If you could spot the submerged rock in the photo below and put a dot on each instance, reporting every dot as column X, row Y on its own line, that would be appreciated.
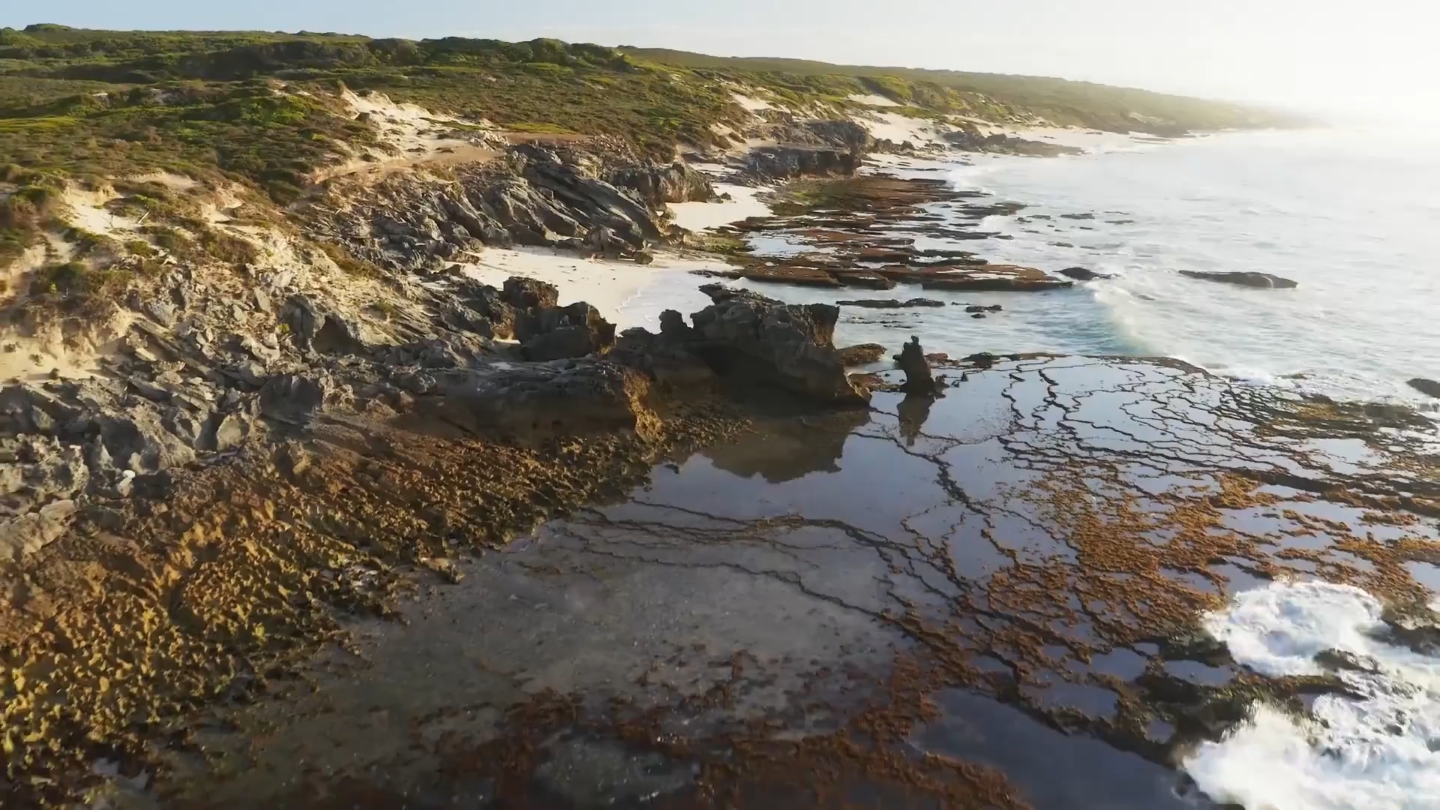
column 1427, row 387
column 891, row 303
column 1245, row 279
column 1084, row 274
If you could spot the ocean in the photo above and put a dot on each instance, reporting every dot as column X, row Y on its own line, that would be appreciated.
column 1349, row 215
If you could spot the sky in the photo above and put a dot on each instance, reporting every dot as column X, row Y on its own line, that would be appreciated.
column 1373, row 58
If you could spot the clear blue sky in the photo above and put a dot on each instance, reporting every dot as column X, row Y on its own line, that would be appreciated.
column 1319, row 54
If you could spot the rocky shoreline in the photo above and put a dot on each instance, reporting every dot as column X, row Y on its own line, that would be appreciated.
column 277, row 446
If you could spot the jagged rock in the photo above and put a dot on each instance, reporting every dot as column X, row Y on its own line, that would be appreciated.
column 1084, row 274
column 862, row 355
column 567, row 397
column 891, row 303
column 527, row 293
column 592, row 203
column 603, row 243
column 918, row 377
column 230, row 432
column 982, row 360
column 673, row 325
column 289, row 398
column 754, row 340
column 28, row 533
column 843, row 133
column 655, row 185
column 1000, row 143
column 160, row 311
column 563, row 332
column 799, row 161
column 1245, row 279
column 1427, row 387
column 305, row 321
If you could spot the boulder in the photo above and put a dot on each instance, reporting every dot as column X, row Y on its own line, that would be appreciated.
column 24, row 535
column 757, row 341
column 919, row 380
column 1429, row 388
column 1083, row 274
column 655, row 184
column 862, row 355
column 891, row 303
column 1244, row 279
column 291, row 398
column 801, row 160
column 561, row 398
column 563, row 332
column 527, row 293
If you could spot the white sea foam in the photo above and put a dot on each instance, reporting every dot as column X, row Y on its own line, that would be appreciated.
column 1378, row 752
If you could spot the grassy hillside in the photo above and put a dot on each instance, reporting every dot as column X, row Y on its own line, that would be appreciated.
column 263, row 109
column 1060, row 101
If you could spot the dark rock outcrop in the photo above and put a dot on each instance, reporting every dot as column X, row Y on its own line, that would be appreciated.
column 862, row 355
column 757, row 341
column 655, row 184
column 919, row 380
column 1429, row 388
column 1083, row 274
column 1000, row 143
column 891, row 303
column 567, row 397
column 1245, row 279
column 558, row 333
column 802, row 161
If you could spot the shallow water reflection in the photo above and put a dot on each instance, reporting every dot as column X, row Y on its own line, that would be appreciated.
column 1008, row 577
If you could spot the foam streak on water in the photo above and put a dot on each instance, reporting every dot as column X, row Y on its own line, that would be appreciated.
column 1348, row 215
column 1378, row 752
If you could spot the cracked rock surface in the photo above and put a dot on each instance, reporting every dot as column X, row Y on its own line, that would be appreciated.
column 984, row 600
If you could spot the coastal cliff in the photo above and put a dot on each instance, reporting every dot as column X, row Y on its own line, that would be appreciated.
column 260, row 377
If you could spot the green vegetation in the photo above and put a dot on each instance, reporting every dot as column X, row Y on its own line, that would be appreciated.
column 985, row 95
column 265, row 110
column 262, row 108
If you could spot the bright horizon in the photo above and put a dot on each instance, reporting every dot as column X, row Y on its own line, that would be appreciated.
column 1314, row 57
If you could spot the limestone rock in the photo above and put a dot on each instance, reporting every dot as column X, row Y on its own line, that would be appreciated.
column 862, row 355
column 800, row 161
column 1084, row 274
column 567, row 397
column 755, row 340
column 1245, row 279
column 287, row 398
column 655, row 184
column 891, row 303
column 918, row 377
column 1429, row 388
column 28, row 533
column 563, row 332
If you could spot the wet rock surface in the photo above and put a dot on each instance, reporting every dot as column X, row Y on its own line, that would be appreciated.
column 1084, row 274
column 1259, row 280
column 863, row 231
column 982, row 600
column 862, row 355
column 1429, row 388
column 892, row 303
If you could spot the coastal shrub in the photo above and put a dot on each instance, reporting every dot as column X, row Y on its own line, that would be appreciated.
column 262, row 109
